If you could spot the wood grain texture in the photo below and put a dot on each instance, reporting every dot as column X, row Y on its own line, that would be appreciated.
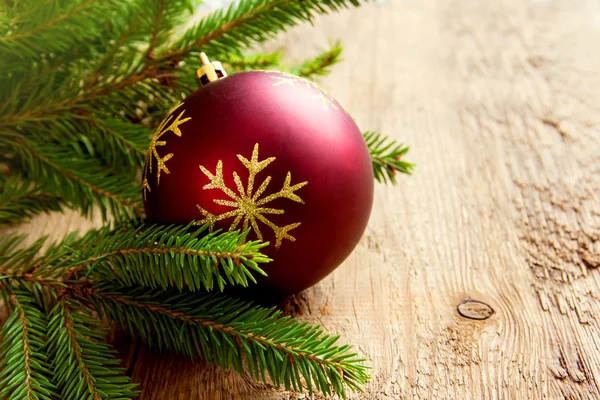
column 500, row 101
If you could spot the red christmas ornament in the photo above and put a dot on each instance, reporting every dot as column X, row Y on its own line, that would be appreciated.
column 268, row 151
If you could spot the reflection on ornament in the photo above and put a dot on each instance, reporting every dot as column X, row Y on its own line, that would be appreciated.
column 288, row 79
column 248, row 206
column 168, row 125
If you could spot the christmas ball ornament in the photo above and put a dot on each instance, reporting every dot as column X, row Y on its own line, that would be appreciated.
column 270, row 152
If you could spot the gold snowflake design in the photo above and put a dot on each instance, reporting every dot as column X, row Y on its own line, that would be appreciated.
column 167, row 125
column 291, row 80
column 247, row 204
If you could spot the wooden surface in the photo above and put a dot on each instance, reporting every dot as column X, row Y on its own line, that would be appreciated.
column 500, row 101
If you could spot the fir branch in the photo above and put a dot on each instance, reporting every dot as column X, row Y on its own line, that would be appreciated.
column 19, row 202
column 81, row 182
column 29, row 264
column 84, row 365
column 154, row 256
column 114, row 95
column 321, row 64
column 165, row 14
column 226, row 331
column 24, row 367
column 224, row 31
column 21, row 268
column 184, row 257
column 15, row 256
column 386, row 156
column 20, row 278
column 249, row 62
column 55, row 24
column 127, row 32
column 120, row 144
column 249, row 22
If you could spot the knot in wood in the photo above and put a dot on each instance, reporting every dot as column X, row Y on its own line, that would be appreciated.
column 475, row 309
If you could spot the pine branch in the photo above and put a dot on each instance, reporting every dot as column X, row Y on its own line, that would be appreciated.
column 24, row 367
column 321, row 64
column 386, row 156
column 182, row 257
column 16, row 257
column 19, row 262
column 165, row 14
column 153, row 256
column 249, row 22
column 224, row 331
column 23, row 269
column 28, row 101
column 227, row 331
column 84, row 365
column 20, row 202
column 81, row 182
column 55, row 22
column 226, row 31
column 120, row 144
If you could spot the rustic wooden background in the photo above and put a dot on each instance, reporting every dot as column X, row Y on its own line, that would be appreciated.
column 500, row 101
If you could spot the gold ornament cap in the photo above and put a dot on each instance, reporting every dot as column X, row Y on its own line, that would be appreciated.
column 209, row 71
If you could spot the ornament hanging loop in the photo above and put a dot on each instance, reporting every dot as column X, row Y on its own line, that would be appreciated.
column 209, row 71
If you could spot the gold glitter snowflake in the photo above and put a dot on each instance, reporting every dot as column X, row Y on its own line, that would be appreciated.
column 288, row 79
column 247, row 204
column 168, row 125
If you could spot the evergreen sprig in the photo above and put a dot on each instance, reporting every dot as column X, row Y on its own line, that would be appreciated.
column 83, row 182
column 19, row 202
column 386, row 156
column 321, row 64
column 56, row 22
column 228, row 331
column 223, row 330
column 181, row 257
column 245, row 23
column 85, row 366
column 24, row 365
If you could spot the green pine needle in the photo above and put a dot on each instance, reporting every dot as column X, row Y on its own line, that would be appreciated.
column 249, row 22
column 229, row 332
column 19, row 202
column 25, row 366
column 55, row 21
column 183, row 257
column 82, row 182
column 321, row 64
column 386, row 156
column 85, row 367
column 110, row 268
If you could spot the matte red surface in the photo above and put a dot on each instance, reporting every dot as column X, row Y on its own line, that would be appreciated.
column 323, row 147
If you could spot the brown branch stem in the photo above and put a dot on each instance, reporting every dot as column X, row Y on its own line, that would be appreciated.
column 30, row 278
column 162, row 250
